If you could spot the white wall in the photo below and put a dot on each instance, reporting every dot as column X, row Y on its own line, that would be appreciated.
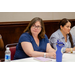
column 60, row 15
column 27, row 16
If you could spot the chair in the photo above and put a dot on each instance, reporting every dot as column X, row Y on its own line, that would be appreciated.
column 12, row 48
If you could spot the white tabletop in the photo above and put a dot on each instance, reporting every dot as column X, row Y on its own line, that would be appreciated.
column 67, row 57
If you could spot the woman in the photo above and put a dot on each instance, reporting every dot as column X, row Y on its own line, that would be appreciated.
column 1, row 43
column 34, row 42
column 63, row 34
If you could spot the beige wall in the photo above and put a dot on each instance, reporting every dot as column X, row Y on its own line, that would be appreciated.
column 27, row 16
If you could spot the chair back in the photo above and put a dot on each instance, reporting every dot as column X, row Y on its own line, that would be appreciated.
column 12, row 48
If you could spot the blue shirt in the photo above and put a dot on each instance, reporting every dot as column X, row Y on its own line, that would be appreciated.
column 58, row 36
column 26, row 37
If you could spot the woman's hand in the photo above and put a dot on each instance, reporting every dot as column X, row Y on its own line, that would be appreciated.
column 70, row 49
column 51, row 54
column 73, row 48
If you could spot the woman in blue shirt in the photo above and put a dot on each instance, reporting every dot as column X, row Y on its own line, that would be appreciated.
column 63, row 34
column 34, row 42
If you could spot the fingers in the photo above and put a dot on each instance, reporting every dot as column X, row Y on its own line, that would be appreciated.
column 53, row 56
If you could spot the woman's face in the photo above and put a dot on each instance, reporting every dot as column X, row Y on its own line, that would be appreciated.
column 66, row 28
column 36, row 28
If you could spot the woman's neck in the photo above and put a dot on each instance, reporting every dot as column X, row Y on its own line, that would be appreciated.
column 34, row 36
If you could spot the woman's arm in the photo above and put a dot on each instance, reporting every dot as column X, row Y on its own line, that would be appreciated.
column 70, row 49
column 1, row 43
column 28, row 49
column 49, row 48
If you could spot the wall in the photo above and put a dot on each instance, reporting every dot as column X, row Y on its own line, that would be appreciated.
column 27, row 16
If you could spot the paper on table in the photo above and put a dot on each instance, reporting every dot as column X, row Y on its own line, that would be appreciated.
column 42, row 59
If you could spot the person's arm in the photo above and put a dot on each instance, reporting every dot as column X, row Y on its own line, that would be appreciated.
column 28, row 49
column 53, row 41
column 69, row 49
column 49, row 49
column 1, row 43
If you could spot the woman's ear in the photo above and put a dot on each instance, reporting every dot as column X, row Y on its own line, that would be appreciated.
column 60, row 26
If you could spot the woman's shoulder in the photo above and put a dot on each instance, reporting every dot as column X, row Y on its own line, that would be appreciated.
column 25, row 34
column 25, row 37
column 45, row 35
column 56, row 33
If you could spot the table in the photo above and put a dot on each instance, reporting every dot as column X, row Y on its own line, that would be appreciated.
column 67, row 57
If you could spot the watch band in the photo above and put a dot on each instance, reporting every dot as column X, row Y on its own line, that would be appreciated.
column 44, row 55
column 71, row 50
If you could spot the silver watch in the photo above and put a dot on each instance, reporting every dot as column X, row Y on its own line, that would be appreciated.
column 44, row 55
